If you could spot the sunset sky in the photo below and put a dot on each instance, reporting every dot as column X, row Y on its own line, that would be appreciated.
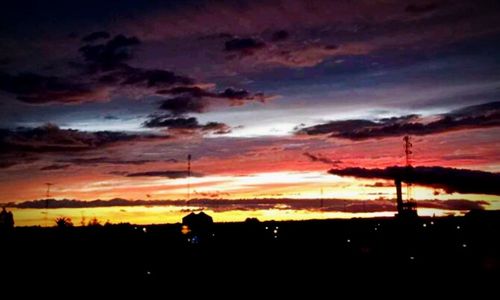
column 273, row 99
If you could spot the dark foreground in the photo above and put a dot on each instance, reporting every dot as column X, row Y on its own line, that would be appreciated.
column 262, row 253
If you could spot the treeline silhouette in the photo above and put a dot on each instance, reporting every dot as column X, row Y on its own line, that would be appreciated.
column 344, row 250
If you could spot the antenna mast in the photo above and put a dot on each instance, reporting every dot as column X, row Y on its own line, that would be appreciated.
column 47, row 196
column 406, row 209
column 408, row 152
column 188, row 177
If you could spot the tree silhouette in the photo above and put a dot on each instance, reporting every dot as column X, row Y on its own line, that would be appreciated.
column 64, row 222
column 94, row 222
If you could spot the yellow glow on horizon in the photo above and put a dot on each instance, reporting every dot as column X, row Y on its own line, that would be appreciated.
column 144, row 215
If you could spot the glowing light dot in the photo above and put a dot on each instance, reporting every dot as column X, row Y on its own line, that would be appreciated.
column 424, row 225
column 458, row 227
column 348, row 240
column 267, row 228
column 275, row 231
column 464, row 245
column 432, row 222
column 144, row 229
column 412, row 257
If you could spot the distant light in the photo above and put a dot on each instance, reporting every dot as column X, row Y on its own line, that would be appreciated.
column 189, row 240
column 275, row 231
column 464, row 245
column 378, row 224
column 458, row 227
column 276, row 227
column 275, row 236
column 185, row 229
column 267, row 228
column 135, row 227
column 412, row 257
column 376, row 228
column 148, row 272
column 144, row 229
column 213, row 234
column 348, row 240
column 432, row 222
column 424, row 225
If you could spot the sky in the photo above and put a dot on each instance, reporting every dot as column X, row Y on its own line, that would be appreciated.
column 272, row 99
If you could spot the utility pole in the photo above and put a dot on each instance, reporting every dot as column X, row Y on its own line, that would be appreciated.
column 188, row 177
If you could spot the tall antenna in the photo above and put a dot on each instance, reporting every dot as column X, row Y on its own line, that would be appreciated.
column 47, row 196
column 407, row 147
column 188, row 177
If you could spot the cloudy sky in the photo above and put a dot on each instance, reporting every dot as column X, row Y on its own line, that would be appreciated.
column 273, row 99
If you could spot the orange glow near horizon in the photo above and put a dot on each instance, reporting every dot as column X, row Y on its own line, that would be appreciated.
column 294, row 185
column 275, row 185
column 142, row 215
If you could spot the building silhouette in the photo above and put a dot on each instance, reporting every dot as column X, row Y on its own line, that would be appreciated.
column 197, row 227
column 6, row 219
column 198, row 222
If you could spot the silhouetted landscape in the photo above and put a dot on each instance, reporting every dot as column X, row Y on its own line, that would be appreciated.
column 342, row 250
column 283, row 144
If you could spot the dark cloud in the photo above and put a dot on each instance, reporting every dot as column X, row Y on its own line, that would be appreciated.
column 280, row 35
column 215, row 194
column 418, row 9
column 216, row 128
column 380, row 184
column 50, row 138
column 54, row 167
column 39, row 89
column 453, row 204
column 188, row 99
column 168, row 174
column 193, row 91
column 187, row 125
column 319, row 158
column 9, row 159
column 110, row 54
column 216, row 36
column 471, row 117
column 230, row 93
column 217, row 204
column 111, row 117
column 151, row 78
column 244, row 46
column 182, row 105
column 172, row 122
column 106, row 72
column 96, row 36
column 105, row 160
column 5, row 61
column 108, row 62
column 449, row 179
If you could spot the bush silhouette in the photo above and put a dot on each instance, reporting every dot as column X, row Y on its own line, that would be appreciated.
column 64, row 222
